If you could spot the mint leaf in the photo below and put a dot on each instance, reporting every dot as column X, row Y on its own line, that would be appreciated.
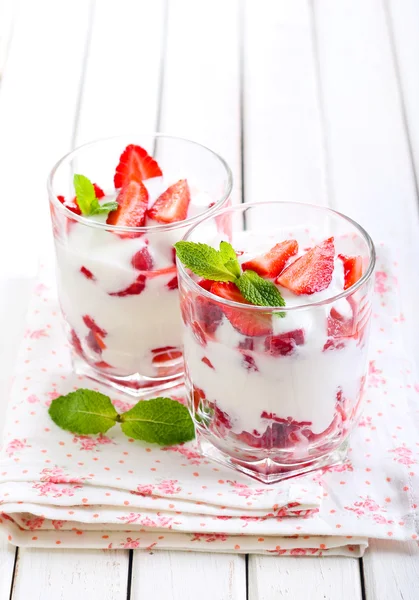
column 85, row 193
column 83, row 411
column 203, row 260
column 86, row 198
column 160, row 420
column 259, row 291
column 101, row 209
column 229, row 258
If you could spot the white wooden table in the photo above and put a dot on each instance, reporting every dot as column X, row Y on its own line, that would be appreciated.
column 309, row 100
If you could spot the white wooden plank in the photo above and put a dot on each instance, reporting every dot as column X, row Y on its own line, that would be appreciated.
column 188, row 575
column 284, row 157
column 201, row 89
column 7, row 561
column 37, row 102
column 371, row 172
column 7, row 8
column 403, row 19
column 69, row 574
column 317, row 578
column 391, row 570
column 121, row 91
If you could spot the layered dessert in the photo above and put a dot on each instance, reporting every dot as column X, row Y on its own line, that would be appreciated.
column 286, row 381
column 118, row 284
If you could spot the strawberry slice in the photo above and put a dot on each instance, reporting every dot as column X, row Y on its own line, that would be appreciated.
column 73, row 206
column 98, row 191
column 131, row 212
column 91, row 324
column 165, row 354
column 132, row 290
column 173, row 204
column 135, row 164
column 88, row 274
column 312, row 272
column 249, row 323
column 352, row 268
column 209, row 313
column 284, row 343
column 272, row 263
column 142, row 260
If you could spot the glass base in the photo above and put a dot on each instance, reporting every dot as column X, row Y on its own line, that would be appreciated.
column 269, row 470
column 135, row 385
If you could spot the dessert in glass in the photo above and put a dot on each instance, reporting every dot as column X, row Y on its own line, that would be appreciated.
column 118, row 205
column 275, row 391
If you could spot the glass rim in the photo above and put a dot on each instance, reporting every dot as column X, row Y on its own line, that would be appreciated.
column 252, row 307
column 123, row 228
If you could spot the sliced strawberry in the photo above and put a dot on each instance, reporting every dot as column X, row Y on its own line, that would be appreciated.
column 91, row 324
column 75, row 341
column 135, row 164
column 249, row 323
column 165, row 354
column 352, row 268
column 99, row 193
column 207, row 361
column 142, row 260
column 73, row 206
column 272, row 263
column 208, row 313
column 88, row 274
column 133, row 202
column 101, row 364
column 312, row 272
column 173, row 204
column 249, row 363
column 198, row 396
column 134, row 289
column 284, row 343
column 206, row 284
column 173, row 283
column 95, row 341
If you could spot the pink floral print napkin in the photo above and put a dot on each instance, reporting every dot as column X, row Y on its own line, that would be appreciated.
column 106, row 491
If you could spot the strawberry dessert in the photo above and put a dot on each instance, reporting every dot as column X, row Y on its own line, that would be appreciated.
column 275, row 346
column 116, row 271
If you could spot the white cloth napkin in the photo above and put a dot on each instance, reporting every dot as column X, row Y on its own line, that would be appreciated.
column 107, row 491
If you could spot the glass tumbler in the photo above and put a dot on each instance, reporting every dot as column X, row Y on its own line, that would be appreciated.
column 121, row 307
column 280, row 399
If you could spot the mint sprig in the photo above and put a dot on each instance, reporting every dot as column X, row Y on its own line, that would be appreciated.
column 160, row 420
column 86, row 198
column 222, row 265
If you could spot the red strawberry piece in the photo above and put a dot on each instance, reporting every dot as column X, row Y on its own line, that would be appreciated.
column 208, row 313
column 162, row 355
column 101, row 364
column 206, row 284
column 142, row 260
column 339, row 325
column 91, row 324
column 221, row 419
column 88, row 274
column 312, row 272
column 173, row 283
column 173, row 204
column 135, row 164
column 284, row 343
column 207, row 362
column 246, row 344
column 99, row 193
column 352, row 268
column 248, row 322
column 174, row 255
column 61, row 199
column 133, row 202
column 198, row 395
column 199, row 333
column 134, row 289
column 158, row 272
column 95, row 341
column 273, row 262
column 73, row 206
column 249, row 363
column 75, row 342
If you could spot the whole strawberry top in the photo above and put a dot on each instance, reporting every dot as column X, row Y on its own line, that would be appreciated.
column 141, row 197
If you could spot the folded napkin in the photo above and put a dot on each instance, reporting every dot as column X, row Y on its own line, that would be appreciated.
column 108, row 491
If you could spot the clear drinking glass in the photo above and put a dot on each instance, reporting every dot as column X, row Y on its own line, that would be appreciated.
column 285, row 402
column 123, row 322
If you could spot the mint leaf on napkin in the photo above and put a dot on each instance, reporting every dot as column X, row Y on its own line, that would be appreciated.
column 160, row 421
column 84, row 412
column 222, row 265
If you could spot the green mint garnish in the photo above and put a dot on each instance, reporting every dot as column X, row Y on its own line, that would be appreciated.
column 86, row 198
column 160, row 420
column 222, row 265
